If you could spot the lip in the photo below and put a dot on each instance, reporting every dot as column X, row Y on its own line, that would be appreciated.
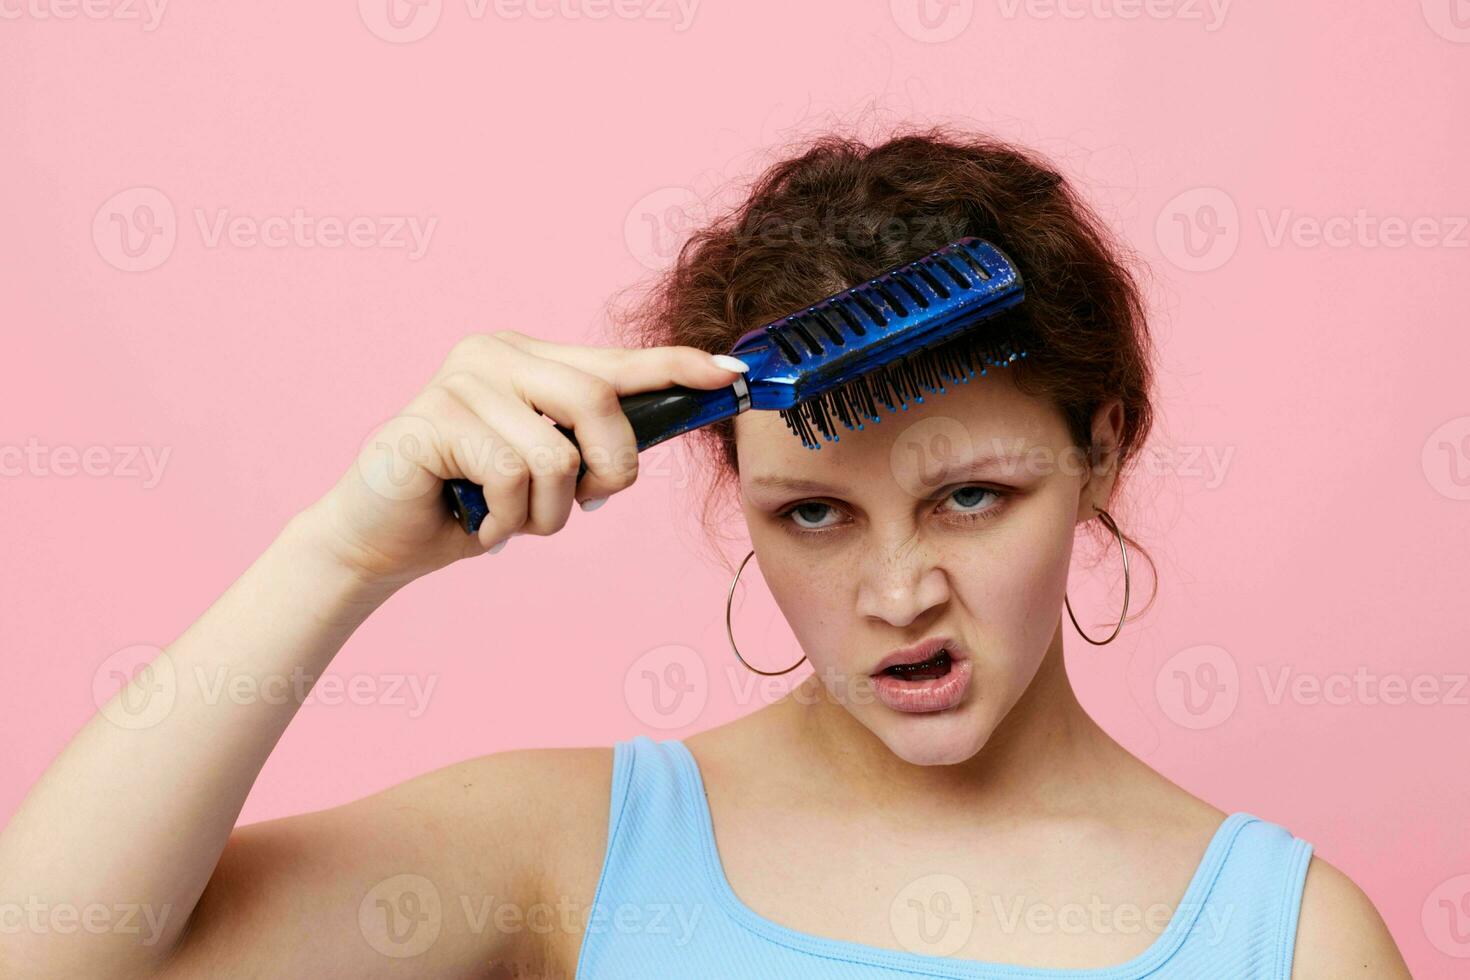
column 922, row 650
column 927, row 696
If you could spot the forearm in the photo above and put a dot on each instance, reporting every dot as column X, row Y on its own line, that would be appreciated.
column 136, row 811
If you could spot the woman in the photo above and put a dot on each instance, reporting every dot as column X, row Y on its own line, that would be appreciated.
column 960, row 818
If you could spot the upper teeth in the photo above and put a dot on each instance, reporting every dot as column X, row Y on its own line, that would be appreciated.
column 932, row 656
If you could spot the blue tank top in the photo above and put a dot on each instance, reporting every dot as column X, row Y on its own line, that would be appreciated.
column 663, row 907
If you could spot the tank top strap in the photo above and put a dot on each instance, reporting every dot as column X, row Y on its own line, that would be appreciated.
column 653, row 896
column 653, row 813
column 1244, row 924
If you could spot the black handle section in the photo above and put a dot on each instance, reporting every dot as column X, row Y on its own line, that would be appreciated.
column 655, row 416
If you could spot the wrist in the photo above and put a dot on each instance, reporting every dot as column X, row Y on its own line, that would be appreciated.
column 309, row 539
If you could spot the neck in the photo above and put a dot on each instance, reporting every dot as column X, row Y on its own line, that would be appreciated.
column 1045, row 748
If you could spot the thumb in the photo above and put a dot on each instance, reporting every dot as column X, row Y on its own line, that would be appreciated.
column 650, row 368
column 631, row 370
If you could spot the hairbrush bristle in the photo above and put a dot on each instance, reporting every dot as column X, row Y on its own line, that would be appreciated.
column 896, row 384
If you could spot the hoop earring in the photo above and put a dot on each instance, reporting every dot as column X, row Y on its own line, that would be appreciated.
column 1112, row 525
column 731, row 633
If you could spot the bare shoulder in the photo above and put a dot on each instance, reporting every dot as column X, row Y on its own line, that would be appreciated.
column 1340, row 933
column 548, row 807
column 557, row 801
column 554, row 786
column 566, row 795
column 534, row 801
column 491, row 841
column 563, row 797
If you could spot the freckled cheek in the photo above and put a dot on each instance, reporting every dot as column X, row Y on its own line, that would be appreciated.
column 1013, row 595
column 816, row 599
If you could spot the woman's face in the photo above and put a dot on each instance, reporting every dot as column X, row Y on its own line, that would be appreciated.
column 952, row 521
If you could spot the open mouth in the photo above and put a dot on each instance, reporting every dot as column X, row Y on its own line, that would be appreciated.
column 923, row 670
column 932, row 676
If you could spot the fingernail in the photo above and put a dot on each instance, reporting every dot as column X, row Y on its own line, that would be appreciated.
column 730, row 363
column 494, row 548
column 592, row 503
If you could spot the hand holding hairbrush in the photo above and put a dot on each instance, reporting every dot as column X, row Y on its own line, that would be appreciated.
column 882, row 342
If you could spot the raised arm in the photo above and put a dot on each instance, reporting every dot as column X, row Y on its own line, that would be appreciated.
column 138, row 811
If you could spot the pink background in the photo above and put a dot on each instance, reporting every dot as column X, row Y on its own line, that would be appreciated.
column 1308, row 503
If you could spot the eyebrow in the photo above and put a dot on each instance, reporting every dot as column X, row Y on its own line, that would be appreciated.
column 947, row 471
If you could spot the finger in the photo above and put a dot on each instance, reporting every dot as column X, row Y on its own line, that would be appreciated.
column 581, row 401
column 505, row 482
column 467, row 447
column 547, row 456
column 584, row 403
column 635, row 369
column 590, row 407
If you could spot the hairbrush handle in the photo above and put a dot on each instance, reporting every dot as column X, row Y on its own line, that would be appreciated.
column 655, row 416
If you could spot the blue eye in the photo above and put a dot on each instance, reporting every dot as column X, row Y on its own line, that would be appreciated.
column 802, row 506
column 981, row 492
column 975, row 504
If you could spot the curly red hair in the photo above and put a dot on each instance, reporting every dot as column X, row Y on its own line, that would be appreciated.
column 841, row 211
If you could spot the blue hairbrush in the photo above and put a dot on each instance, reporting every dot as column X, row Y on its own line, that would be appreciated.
column 883, row 342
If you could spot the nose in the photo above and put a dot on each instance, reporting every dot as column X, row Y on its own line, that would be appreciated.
column 899, row 580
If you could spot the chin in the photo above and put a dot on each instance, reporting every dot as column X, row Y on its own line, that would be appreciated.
column 941, row 738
